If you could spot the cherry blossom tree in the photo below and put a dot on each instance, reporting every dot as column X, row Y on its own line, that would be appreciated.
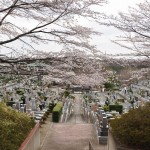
column 25, row 24
column 91, row 80
column 76, row 67
column 69, row 67
column 135, row 28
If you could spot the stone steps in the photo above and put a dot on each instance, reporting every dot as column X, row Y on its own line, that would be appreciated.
column 68, row 137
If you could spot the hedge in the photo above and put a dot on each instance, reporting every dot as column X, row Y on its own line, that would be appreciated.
column 133, row 128
column 56, row 113
column 118, row 108
column 10, row 103
column 14, row 127
column 60, row 104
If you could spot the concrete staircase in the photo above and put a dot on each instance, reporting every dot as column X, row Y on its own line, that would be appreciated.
column 68, row 137
column 75, row 134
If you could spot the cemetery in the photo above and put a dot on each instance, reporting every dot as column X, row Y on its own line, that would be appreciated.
column 37, row 102
column 99, row 107
column 69, row 81
column 102, row 107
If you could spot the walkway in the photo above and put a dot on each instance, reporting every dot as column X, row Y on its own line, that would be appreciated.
column 76, row 117
column 73, row 135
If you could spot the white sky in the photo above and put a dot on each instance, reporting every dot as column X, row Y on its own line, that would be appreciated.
column 109, row 33
column 103, row 42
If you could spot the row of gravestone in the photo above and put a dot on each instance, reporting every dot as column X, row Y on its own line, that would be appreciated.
column 100, row 119
column 34, row 113
column 101, row 125
column 135, row 98
column 32, row 106
column 93, row 112
column 31, row 102
column 66, row 111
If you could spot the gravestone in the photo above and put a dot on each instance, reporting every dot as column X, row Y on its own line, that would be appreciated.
column 103, row 115
column 33, row 107
column 103, row 131
column 18, row 105
column 28, row 111
column 28, row 104
column 101, row 111
column 104, row 122
column 14, row 106
column 22, row 109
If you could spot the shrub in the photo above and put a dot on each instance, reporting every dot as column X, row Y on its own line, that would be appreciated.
column 59, row 104
column 57, row 112
column 85, row 96
column 120, row 100
column 106, row 108
column 66, row 93
column 19, row 91
column 72, row 97
column 133, row 128
column 118, row 108
column 14, row 127
column 10, row 103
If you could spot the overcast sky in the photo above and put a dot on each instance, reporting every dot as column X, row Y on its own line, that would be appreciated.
column 103, row 42
column 113, row 7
